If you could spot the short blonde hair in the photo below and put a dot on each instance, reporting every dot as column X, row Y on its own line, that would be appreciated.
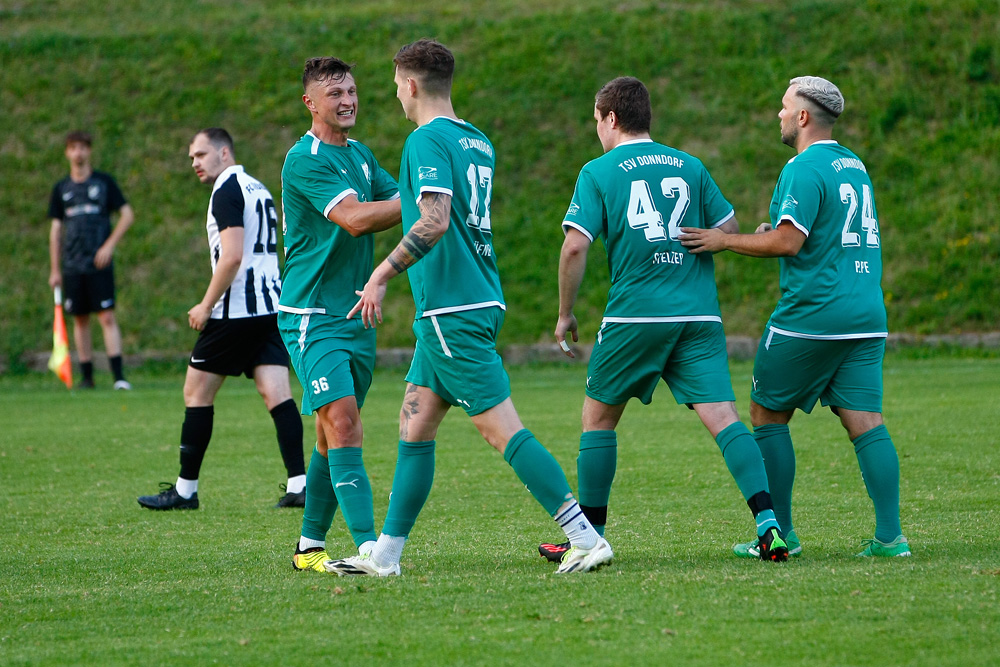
column 825, row 96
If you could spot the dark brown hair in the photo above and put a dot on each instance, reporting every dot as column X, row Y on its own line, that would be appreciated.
column 629, row 99
column 217, row 136
column 431, row 62
column 79, row 136
column 323, row 69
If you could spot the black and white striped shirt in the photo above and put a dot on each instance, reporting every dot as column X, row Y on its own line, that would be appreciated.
column 240, row 200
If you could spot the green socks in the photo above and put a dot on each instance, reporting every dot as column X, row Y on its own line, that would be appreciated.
column 321, row 501
column 411, row 484
column 595, row 469
column 775, row 443
column 880, row 471
column 538, row 471
column 354, row 492
column 743, row 459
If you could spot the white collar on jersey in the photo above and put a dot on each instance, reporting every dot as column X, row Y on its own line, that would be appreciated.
column 453, row 120
column 635, row 141
column 226, row 173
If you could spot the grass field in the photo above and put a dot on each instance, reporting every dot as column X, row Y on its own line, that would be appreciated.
column 91, row 578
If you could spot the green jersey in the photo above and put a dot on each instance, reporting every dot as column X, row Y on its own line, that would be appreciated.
column 832, row 288
column 324, row 264
column 460, row 272
column 636, row 197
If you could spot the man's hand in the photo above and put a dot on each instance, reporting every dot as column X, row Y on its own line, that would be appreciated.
column 198, row 316
column 103, row 257
column 55, row 278
column 703, row 240
column 370, row 303
column 566, row 324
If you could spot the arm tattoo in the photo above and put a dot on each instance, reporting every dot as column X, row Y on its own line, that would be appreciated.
column 435, row 209
column 415, row 245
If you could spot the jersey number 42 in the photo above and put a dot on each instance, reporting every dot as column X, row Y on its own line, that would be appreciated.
column 642, row 213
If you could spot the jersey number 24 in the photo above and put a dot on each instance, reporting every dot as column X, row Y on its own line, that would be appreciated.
column 869, row 224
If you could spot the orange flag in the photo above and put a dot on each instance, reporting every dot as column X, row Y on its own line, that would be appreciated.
column 59, row 362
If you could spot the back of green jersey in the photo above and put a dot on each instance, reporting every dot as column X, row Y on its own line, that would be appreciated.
column 832, row 287
column 452, row 157
column 324, row 264
column 637, row 197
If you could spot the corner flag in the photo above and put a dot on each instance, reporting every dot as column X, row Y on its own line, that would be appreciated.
column 59, row 362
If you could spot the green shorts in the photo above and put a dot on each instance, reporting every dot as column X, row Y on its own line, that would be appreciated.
column 333, row 357
column 630, row 358
column 456, row 358
column 791, row 372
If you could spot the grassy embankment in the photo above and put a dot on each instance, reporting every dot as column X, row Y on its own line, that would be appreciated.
column 922, row 82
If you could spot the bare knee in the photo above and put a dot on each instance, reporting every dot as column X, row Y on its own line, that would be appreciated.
column 272, row 385
column 200, row 388
column 858, row 423
column 598, row 416
column 717, row 416
column 107, row 318
column 759, row 415
column 341, row 423
column 421, row 414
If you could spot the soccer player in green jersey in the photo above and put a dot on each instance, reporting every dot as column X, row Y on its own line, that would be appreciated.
column 826, row 338
column 662, row 318
column 334, row 196
column 446, row 183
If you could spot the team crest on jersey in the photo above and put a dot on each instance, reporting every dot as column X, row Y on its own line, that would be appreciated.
column 789, row 203
column 427, row 173
column 574, row 208
column 94, row 191
column 368, row 174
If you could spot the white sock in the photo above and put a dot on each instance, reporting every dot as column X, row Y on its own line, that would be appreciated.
column 388, row 550
column 366, row 547
column 186, row 487
column 575, row 524
column 296, row 484
column 306, row 543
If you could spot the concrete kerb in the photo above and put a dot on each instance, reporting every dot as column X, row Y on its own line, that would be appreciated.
column 741, row 348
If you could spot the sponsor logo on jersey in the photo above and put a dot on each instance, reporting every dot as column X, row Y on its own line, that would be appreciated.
column 67, row 196
column 94, row 191
column 574, row 208
column 83, row 209
column 368, row 175
column 789, row 203
column 427, row 173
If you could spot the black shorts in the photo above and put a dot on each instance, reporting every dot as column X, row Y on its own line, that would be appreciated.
column 237, row 347
column 87, row 293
